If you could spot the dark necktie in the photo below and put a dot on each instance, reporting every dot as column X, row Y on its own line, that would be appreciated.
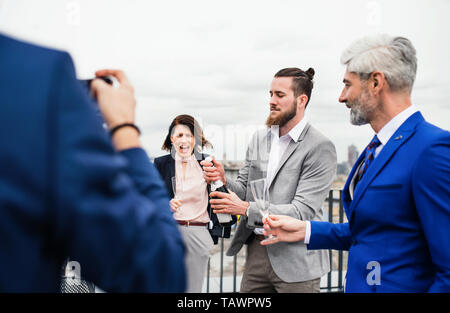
column 370, row 155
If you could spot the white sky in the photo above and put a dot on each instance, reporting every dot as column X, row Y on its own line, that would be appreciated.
column 215, row 59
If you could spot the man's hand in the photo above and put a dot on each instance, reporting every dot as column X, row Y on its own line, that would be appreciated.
column 117, row 105
column 228, row 203
column 212, row 173
column 285, row 228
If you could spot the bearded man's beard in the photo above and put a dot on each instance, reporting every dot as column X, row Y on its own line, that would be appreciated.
column 283, row 118
column 361, row 109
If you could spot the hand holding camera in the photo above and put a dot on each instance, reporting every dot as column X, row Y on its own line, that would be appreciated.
column 117, row 105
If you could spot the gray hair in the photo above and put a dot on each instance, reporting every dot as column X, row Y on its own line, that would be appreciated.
column 395, row 57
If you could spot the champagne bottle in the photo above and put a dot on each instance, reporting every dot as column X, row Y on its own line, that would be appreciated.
column 219, row 186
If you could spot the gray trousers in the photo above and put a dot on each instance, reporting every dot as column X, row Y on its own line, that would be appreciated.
column 260, row 277
column 199, row 244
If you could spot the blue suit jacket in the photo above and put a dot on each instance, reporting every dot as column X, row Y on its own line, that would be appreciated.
column 399, row 216
column 65, row 192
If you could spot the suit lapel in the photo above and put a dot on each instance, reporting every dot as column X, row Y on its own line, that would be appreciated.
column 171, row 170
column 261, row 150
column 353, row 181
column 401, row 136
column 264, row 147
column 289, row 150
column 172, row 167
column 346, row 195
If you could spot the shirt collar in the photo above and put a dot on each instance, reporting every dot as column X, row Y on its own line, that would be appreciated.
column 391, row 127
column 186, row 159
column 294, row 133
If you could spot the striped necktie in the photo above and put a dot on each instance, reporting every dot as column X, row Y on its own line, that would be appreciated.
column 369, row 156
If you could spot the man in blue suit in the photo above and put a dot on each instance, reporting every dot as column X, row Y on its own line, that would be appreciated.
column 68, row 189
column 396, row 197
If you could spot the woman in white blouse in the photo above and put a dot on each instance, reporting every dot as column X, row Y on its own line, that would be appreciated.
column 197, row 223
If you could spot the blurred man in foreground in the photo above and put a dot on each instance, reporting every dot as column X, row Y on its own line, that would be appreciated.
column 68, row 189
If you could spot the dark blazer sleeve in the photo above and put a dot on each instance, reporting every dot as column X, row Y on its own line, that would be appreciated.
column 157, row 165
column 124, row 241
column 147, row 179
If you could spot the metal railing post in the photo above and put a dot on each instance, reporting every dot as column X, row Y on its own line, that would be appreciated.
column 207, row 275
column 330, row 219
column 234, row 272
column 341, row 220
column 221, row 265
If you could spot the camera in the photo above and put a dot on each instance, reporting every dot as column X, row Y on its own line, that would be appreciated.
column 87, row 82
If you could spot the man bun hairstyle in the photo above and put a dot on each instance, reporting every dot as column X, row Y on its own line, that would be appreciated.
column 302, row 82
column 310, row 72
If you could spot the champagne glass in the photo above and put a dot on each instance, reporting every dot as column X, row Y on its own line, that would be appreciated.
column 260, row 194
column 177, row 188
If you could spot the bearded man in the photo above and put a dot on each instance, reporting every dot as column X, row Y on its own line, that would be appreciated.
column 299, row 164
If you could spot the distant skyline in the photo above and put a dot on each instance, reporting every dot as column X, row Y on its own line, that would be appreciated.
column 215, row 59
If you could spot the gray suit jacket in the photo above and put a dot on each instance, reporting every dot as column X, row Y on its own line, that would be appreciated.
column 298, row 189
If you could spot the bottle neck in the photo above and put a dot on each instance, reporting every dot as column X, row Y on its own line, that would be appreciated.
column 216, row 184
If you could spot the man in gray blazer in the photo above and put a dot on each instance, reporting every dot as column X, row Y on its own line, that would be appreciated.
column 299, row 164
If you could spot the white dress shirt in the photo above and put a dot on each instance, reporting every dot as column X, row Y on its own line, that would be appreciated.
column 277, row 149
column 280, row 144
column 383, row 135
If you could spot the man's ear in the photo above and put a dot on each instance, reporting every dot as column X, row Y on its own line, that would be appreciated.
column 302, row 100
column 377, row 81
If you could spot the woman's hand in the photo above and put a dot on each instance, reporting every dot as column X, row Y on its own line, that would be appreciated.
column 174, row 205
